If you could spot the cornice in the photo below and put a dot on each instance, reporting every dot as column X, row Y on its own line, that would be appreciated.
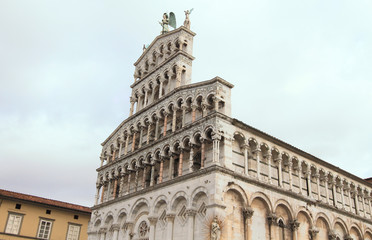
column 218, row 169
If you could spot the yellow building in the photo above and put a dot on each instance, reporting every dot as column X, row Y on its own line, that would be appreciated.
column 29, row 217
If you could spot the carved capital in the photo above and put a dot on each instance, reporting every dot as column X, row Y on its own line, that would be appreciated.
column 348, row 237
column 153, row 220
column 294, row 225
column 102, row 230
column 332, row 235
column 313, row 232
column 170, row 217
column 248, row 212
column 271, row 218
column 191, row 212
column 115, row 227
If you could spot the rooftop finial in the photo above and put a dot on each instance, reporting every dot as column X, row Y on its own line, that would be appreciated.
column 168, row 20
column 187, row 22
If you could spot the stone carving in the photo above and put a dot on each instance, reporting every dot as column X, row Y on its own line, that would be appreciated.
column 164, row 24
column 187, row 22
column 215, row 230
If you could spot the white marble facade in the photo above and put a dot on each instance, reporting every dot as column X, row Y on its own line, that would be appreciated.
column 179, row 161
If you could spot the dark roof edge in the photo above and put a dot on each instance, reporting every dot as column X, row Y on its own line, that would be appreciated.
column 41, row 200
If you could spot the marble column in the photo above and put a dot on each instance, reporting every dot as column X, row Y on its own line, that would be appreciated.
column 271, row 218
column 129, row 178
column 294, row 227
column 152, row 221
column 178, row 75
column 300, row 177
column 103, row 193
column 170, row 221
column 190, row 223
column 148, row 133
column 183, row 115
column 141, row 137
column 280, row 172
column 120, row 148
column 115, row 187
column 334, row 192
column 191, row 159
column 98, row 187
column 247, row 216
column 369, row 205
column 165, row 124
column 257, row 153
column 171, row 167
column 308, row 179
column 204, row 110
column 146, row 98
column 126, row 145
column 202, row 160
column 174, row 119
column 326, row 188
column 157, row 129
column 132, row 101
column 128, row 226
column 161, row 89
column 215, row 101
column 290, row 165
column 161, row 170
column 193, row 113
column 269, row 157
column 349, row 196
column 136, row 180
column 216, row 147
column 342, row 194
column 144, row 176
column 134, row 141
column 152, row 175
column 317, row 177
column 121, row 184
column 115, row 229
column 180, row 164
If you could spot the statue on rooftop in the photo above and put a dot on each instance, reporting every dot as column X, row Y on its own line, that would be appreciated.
column 168, row 21
column 187, row 22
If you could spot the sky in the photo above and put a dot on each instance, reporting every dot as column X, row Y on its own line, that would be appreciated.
column 301, row 69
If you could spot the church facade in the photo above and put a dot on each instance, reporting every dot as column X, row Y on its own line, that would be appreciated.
column 181, row 168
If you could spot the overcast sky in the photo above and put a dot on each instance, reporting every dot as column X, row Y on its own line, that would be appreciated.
column 301, row 69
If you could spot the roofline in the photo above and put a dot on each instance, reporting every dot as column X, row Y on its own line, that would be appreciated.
column 162, row 36
column 215, row 79
column 44, row 201
column 294, row 149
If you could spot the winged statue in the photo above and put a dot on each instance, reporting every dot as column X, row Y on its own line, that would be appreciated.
column 187, row 22
column 168, row 20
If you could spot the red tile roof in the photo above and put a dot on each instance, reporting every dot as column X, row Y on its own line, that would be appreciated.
column 46, row 201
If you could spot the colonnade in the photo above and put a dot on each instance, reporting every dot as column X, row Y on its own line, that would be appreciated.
column 314, row 182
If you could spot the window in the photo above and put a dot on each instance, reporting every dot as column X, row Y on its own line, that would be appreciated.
column 48, row 211
column 14, row 223
column 18, row 206
column 73, row 232
column 143, row 229
column 45, row 228
column 76, row 216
